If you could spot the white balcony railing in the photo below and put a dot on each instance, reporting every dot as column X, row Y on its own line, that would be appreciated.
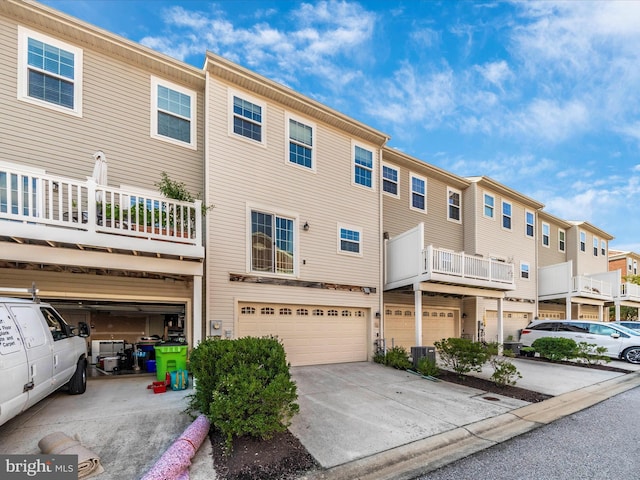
column 630, row 291
column 35, row 199
column 459, row 264
column 590, row 287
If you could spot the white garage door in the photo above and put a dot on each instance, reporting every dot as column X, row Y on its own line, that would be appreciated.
column 513, row 322
column 311, row 335
column 437, row 323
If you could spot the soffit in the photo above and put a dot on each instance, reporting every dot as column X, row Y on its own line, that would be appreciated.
column 489, row 183
column 85, row 35
column 245, row 79
column 419, row 166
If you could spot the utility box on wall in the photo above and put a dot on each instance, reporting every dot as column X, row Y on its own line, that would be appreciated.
column 215, row 328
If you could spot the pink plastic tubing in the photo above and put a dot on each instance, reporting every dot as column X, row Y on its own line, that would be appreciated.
column 174, row 463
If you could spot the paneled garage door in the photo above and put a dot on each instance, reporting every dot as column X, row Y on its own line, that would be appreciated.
column 312, row 335
column 437, row 323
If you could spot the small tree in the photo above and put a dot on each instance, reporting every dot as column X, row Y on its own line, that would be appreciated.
column 591, row 354
column 462, row 355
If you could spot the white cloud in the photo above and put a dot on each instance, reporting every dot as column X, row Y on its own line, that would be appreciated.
column 550, row 120
column 495, row 73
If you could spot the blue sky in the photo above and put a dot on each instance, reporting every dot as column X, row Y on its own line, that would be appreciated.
column 543, row 97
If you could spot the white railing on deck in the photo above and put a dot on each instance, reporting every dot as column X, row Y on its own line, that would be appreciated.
column 630, row 291
column 36, row 198
column 591, row 287
column 467, row 266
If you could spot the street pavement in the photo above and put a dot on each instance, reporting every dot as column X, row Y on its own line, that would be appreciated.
column 358, row 420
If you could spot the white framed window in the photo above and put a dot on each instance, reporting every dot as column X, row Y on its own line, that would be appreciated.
column 454, row 205
column 350, row 240
column 529, row 223
column 583, row 242
column 489, row 205
column 524, row 270
column 49, row 72
column 546, row 234
column 272, row 243
column 635, row 267
column 506, row 215
column 390, row 180
column 603, row 247
column 562, row 240
column 418, row 200
column 173, row 113
column 363, row 165
column 596, row 244
column 300, row 137
column 247, row 117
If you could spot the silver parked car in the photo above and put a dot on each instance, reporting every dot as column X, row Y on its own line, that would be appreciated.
column 621, row 342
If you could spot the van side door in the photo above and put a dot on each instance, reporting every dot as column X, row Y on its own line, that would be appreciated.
column 65, row 354
column 14, row 368
column 39, row 350
column 601, row 336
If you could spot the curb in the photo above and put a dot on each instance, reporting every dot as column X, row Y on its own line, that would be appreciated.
column 420, row 457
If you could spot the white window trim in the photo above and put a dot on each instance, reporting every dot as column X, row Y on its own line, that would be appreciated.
column 314, row 137
column 503, row 215
column 548, row 236
column 361, row 243
column 23, row 81
column 373, row 151
column 528, row 271
column 580, row 235
column 533, row 225
column 485, row 194
column 249, row 207
column 596, row 246
column 426, row 192
column 560, row 230
column 459, row 192
column 155, row 82
column 394, row 195
column 237, row 93
column 603, row 247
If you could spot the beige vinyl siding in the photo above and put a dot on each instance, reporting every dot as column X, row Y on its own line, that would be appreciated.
column 261, row 178
column 551, row 255
column 398, row 217
column 115, row 119
column 585, row 262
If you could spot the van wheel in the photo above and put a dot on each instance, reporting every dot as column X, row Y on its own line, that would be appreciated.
column 632, row 355
column 78, row 383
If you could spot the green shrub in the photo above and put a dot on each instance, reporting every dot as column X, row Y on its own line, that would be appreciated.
column 428, row 367
column 462, row 355
column 504, row 372
column 591, row 354
column 555, row 348
column 243, row 386
column 398, row 358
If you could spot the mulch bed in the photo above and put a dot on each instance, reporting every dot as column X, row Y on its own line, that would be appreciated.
column 283, row 457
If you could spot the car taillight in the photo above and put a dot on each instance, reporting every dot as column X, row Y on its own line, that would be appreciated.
column 524, row 330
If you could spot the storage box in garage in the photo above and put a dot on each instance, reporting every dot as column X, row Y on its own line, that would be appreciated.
column 110, row 363
column 170, row 358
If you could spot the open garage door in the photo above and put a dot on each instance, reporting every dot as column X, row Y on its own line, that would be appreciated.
column 311, row 335
column 437, row 323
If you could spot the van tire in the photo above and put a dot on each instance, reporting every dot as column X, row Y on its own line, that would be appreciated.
column 632, row 355
column 78, row 383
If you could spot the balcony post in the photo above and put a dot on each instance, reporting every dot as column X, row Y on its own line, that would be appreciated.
column 418, row 313
column 91, row 205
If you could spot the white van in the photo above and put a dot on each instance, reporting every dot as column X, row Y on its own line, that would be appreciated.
column 39, row 353
column 621, row 342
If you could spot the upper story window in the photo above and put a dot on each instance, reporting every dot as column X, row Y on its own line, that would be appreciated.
column 524, row 269
column 454, row 200
column 546, row 234
column 173, row 111
column 349, row 240
column 529, row 224
column 362, row 166
column 49, row 72
column 506, row 215
column 561, row 240
column 603, row 247
column 635, row 267
column 418, row 193
column 247, row 117
column 583, row 242
column 301, row 151
column 489, row 205
column 390, row 180
column 596, row 244
column 272, row 243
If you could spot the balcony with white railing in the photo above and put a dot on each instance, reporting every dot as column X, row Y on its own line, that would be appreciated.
column 589, row 287
column 630, row 292
column 407, row 261
column 59, row 211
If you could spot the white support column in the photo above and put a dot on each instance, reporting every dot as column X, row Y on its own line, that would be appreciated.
column 197, row 309
column 418, row 314
column 500, row 324
column 567, row 309
column 601, row 313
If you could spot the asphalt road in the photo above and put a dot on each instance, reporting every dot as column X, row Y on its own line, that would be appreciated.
column 599, row 443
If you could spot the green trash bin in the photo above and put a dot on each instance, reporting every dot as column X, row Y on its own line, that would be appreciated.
column 170, row 358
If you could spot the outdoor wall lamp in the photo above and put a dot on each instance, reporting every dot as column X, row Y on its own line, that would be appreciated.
column 305, row 227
